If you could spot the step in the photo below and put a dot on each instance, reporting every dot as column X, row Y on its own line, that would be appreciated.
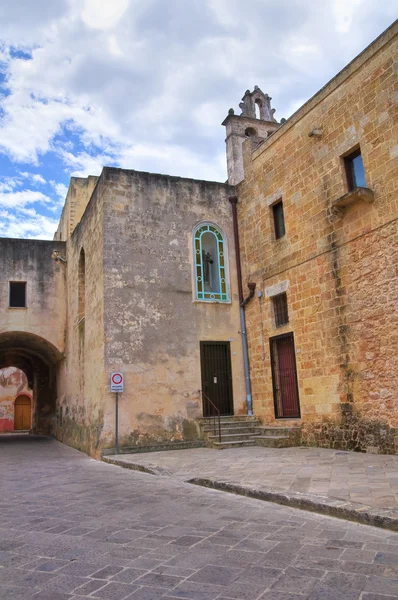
column 227, row 418
column 228, row 429
column 234, row 436
column 238, row 444
column 274, row 441
column 288, row 431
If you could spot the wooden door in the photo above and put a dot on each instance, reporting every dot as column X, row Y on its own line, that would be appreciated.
column 284, row 377
column 22, row 413
column 215, row 358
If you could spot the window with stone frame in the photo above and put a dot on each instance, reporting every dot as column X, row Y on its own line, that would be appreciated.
column 279, row 219
column 354, row 170
column 210, row 264
column 17, row 294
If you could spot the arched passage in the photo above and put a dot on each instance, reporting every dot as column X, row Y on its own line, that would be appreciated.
column 38, row 359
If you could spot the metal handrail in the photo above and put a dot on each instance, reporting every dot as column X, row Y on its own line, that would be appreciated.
column 218, row 416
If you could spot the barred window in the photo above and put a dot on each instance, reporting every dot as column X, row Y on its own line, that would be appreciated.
column 280, row 310
column 210, row 264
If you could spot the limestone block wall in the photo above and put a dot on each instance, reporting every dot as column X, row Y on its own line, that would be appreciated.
column 81, row 376
column 339, row 270
column 77, row 198
column 153, row 326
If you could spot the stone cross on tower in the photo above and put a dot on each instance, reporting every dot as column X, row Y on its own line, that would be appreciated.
column 247, row 124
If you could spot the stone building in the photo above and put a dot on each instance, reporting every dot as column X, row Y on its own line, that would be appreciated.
column 144, row 277
column 317, row 211
column 141, row 278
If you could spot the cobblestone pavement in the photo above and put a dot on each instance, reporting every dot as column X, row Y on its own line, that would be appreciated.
column 368, row 479
column 72, row 528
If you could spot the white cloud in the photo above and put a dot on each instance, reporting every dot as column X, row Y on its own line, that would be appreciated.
column 105, row 16
column 26, row 224
column 145, row 84
column 22, row 198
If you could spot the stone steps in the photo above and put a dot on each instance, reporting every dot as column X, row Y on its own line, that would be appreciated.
column 246, row 430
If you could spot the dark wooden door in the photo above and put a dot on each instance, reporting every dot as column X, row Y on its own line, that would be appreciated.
column 215, row 358
column 22, row 413
column 284, row 377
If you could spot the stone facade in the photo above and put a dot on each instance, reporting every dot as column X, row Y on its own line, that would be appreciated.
column 337, row 262
column 118, row 288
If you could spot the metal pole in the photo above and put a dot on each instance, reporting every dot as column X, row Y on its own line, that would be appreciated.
column 117, row 425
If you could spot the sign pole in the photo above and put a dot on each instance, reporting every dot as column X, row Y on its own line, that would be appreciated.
column 117, row 425
column 117, row 385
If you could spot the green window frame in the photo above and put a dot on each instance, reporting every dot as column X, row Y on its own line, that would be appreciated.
column 210, row 267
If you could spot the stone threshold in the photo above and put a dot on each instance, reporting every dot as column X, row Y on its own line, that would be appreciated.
column 349, row 511
column 154, row 448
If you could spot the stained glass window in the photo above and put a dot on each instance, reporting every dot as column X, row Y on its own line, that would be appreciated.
column 210, row 264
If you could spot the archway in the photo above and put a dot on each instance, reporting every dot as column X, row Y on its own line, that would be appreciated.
column 38, row 359
column 22, row 413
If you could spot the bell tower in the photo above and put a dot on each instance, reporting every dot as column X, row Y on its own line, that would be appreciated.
column 256, row 121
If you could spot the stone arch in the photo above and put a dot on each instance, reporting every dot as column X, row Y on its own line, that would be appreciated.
column 38, row 359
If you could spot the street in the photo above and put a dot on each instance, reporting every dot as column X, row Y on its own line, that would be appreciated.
column 72, row 527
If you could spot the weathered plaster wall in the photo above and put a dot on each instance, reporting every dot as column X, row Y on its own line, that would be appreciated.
column 30, row 261
column 341, row 272
column 13, row 383
column 77, row 198
column 152, row 325
column 81, row 376
column 33, row 338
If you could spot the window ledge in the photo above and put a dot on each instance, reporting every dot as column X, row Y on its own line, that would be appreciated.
column 358, row 194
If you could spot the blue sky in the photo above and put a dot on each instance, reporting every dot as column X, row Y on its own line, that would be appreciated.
column 145, row 84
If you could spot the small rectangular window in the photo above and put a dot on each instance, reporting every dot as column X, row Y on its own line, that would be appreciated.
column 280, row 310
column 17, row 294
column 279, row 220
column 354, row 170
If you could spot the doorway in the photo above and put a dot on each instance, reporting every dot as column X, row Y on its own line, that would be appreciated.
column 284, row 377
column 215, row 359
column 22, row 413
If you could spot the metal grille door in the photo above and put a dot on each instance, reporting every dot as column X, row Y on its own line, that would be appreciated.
column 215, row 358
column 284, row 377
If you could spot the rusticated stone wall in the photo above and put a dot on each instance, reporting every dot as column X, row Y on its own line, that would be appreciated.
column 339, row 270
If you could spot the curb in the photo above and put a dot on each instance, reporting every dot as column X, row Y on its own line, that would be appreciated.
column 349, row 511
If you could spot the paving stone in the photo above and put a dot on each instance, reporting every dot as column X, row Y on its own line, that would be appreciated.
column 241, row 546
column 148, row 593
column 115, row 591
column 81, row 568
column 129, row 574
column 294, row 584
column 366, row 596
column 193, row 590
column 158, row 580
column 106, row 572
column 322, row 592
column 381, row 585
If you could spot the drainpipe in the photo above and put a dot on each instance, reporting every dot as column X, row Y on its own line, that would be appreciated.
column 242, row 303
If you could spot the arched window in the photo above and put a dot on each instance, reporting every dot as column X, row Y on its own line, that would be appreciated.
column 210, row 264
column 82, row 286
column 250, row 132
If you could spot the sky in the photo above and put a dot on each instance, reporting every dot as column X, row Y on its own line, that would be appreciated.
column 145, row 85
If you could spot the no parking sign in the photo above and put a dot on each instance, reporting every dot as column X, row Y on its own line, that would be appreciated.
column 117, row 382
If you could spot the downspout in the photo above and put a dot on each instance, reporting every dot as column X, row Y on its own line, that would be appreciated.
column 242, row 303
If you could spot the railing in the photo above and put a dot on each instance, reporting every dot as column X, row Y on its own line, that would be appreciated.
column 214, row 420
